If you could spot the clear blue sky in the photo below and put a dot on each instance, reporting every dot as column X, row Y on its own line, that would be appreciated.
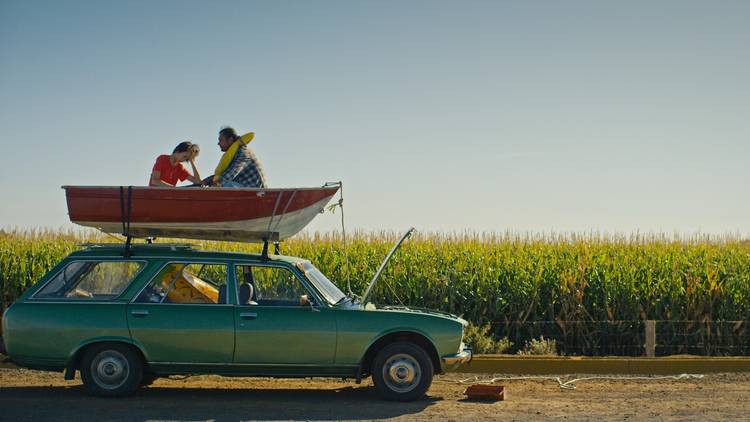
column 527, row 115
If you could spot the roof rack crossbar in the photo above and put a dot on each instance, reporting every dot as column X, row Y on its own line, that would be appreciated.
column 138, row 245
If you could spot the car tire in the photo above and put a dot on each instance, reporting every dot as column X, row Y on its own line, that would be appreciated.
column 111, row 370
column 402, row 371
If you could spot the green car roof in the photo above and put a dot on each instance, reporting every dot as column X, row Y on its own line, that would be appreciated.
column 182, row 250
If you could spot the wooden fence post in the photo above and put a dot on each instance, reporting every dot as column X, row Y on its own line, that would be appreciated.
column 650, row 345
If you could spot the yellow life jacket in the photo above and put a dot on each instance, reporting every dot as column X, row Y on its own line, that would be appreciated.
column 230, row 153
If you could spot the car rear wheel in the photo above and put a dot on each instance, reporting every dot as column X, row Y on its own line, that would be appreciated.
column 111, row 370
column 402, row 371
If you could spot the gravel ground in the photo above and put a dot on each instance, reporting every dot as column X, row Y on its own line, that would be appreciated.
column 31, row 395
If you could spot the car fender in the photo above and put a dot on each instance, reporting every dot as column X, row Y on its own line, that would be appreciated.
column 393, row 330
column 399, row 329
column 75, row 354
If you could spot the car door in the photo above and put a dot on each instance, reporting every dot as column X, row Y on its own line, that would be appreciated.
column 183, row 315
column 273, row 326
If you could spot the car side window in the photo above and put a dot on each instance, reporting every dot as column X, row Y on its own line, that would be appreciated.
column 269, row 286
column 187, row 283
column 91, row 280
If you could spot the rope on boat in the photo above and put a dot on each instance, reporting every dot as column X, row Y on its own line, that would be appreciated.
column 332, row 209
column 273, row 215
column 283, row 214
column 125, row 217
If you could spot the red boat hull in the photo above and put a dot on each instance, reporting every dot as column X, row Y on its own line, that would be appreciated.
column 198, row 213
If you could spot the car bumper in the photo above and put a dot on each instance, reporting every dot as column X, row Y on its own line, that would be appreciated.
column 452, row 361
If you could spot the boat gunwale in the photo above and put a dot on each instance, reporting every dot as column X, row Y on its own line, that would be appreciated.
column 212, row 188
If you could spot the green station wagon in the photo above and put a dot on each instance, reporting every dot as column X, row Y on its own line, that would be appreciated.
column 124, row 319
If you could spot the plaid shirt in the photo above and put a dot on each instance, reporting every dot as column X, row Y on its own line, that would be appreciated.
column 245, row 169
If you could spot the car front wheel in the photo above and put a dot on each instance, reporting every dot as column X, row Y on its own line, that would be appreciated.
column 111, row 370
column 402, row 371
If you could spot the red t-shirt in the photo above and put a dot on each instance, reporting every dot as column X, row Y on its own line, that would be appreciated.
column 169, row 173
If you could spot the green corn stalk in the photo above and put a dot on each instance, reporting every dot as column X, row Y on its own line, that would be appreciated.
column 590, row 293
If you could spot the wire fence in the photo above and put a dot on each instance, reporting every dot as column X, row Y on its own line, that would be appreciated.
column 629, row 338
column 711, row 338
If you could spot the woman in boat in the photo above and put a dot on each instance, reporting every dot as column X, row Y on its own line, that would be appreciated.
column 170, row 170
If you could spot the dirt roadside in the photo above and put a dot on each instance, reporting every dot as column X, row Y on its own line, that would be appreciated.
column 30, row 395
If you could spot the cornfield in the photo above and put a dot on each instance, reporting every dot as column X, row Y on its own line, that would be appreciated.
column 589, row 292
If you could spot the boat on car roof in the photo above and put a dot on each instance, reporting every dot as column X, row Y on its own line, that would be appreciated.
column 233, row 214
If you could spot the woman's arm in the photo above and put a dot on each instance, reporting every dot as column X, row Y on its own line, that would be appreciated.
column 196, row 177
column 156, row 179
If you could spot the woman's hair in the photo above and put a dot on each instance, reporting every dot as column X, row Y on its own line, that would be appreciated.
column 187, row 146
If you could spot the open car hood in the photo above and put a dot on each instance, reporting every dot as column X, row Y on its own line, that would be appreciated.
column 384, row 263
column 418, row 310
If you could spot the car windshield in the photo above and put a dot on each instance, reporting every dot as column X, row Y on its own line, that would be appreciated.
column 325, row 286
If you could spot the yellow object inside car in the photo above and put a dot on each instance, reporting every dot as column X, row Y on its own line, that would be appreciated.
column 187, row 287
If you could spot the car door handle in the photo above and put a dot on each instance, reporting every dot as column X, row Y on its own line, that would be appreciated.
column 248, row 315
column 139, row 314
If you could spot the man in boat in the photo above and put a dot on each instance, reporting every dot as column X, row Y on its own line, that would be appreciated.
column 169, row 170
column 238, row 167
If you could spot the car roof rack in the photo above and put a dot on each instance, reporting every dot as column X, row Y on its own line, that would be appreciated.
column 149, row 246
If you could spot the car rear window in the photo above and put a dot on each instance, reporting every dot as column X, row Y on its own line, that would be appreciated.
column 90, row 280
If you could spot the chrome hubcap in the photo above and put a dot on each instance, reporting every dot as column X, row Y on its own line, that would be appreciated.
column 401, row 373
column 110, row 369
